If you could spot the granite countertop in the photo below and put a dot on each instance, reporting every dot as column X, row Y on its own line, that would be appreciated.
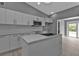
column 32, row 38
column 35, row 37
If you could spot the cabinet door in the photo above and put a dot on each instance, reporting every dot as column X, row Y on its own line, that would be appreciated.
column 2, row 15
column 4, row 44
column 9, row 16
column 29, row 20
column 14, row 42
column 18, row 18
column 47, row 20
column 56, row 46
column 43, row 21
column 9, row 43
column 24, row 19
column 50, row 20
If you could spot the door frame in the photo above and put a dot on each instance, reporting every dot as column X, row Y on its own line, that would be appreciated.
column 76, row 28
column 57, row 26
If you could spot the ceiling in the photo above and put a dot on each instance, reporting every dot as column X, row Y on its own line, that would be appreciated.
column 52, row 7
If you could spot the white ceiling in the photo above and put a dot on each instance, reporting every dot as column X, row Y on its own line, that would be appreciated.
column 53, row 6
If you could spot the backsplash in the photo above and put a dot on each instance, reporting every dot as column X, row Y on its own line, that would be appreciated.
column 15, row 29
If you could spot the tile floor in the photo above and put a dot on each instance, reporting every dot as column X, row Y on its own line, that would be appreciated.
column 70, row 46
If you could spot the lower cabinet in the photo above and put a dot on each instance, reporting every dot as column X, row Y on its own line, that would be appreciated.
column 22, row 46
column 4, row 44
column 51, row 46
column 10, row 46
column 14, row 42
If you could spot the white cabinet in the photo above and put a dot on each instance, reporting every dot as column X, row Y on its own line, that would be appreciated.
column 48, row 20
column 24, row 19
column 43, row 21
column 4, row 44
column 18, row 18
column 27, row 19
column 14, row 42
column 30, row 20
column 14, row 17
column 2, row 16
column 9, row 16
column 8, row 44
column 38, row 45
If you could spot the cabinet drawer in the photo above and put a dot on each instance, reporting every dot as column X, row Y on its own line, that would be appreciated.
column 4, row 44
column 2, row 15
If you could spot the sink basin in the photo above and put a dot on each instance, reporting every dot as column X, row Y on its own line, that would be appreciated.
column 48, row 34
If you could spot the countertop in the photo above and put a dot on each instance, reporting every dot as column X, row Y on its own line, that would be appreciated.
column 36, row 37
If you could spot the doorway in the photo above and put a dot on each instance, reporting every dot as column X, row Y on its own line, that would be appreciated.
column 72, row 29
column 58, row 27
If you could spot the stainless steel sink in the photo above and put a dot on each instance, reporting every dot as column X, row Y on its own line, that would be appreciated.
column 48, row 34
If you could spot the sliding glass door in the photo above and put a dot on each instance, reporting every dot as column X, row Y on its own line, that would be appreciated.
column 72, row 29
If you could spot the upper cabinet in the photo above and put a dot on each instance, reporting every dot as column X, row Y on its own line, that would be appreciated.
column 18, row 18
column 43, row 21
column 46, row 20
column 30, row 20
column 50, row 20
column 24, row 19
column 9, row 16
column 14, row 17
column 2, row 16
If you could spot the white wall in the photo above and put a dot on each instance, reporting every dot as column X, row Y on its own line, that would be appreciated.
column 62, row 27
column 78, row 29
column 72, row 12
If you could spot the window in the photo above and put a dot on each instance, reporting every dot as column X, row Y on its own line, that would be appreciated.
column 72, row 29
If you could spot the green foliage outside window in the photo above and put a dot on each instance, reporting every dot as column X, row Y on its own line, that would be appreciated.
column 72, row 27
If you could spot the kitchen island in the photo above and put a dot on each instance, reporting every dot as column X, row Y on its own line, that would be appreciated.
column 40, row 45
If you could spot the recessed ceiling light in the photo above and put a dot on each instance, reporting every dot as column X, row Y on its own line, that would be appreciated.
column 51, row 12
column 47, row 2
column 38, row 3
